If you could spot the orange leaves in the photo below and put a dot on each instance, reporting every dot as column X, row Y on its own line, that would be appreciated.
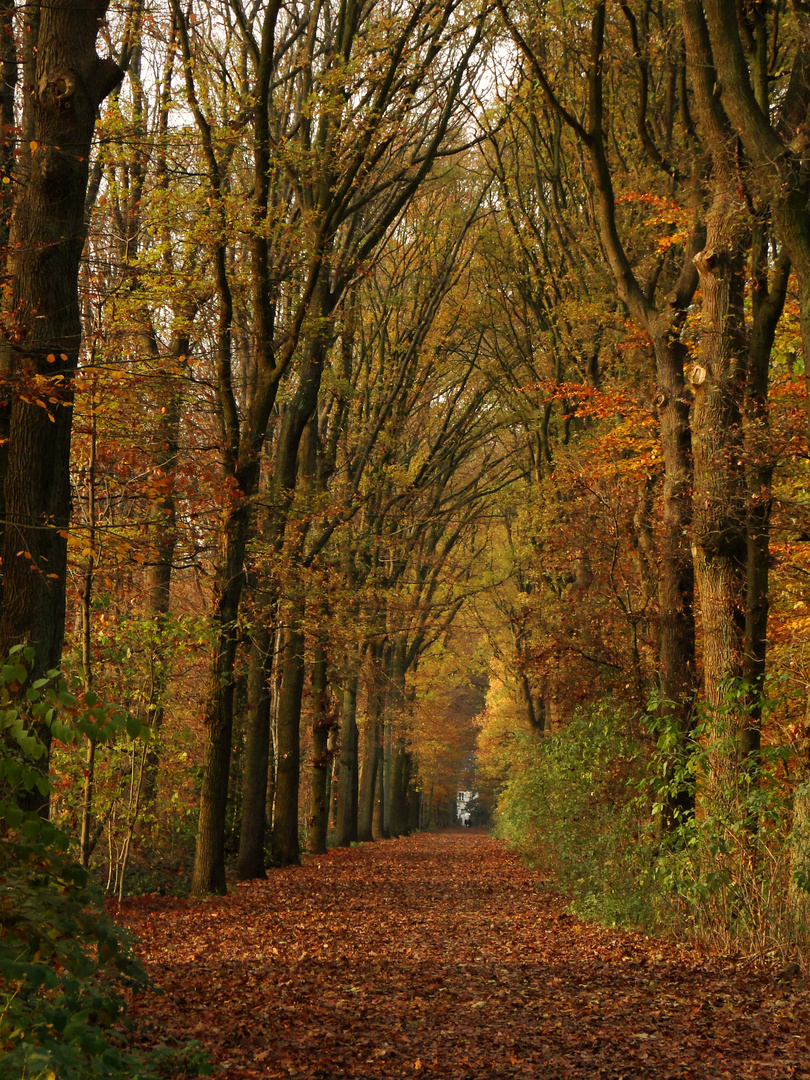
column 440, row 955
column 625, row 438
column 669, row 220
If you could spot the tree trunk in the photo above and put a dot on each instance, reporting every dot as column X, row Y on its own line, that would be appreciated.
column 767, row 305
column 286, row 849
column 772, row 138
column 676, row 580
column 257, row 756
column 65, row 82
column 347, row 800
column 386, row 773
column 396, row 735
column 372, row 751
column 163, row 545
column 377, row 820
column 209, row 863
column 720, row 497
column 322, row 720
column 398, row 812
column 719, row 523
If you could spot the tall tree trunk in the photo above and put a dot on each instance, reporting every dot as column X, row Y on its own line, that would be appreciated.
column 396, row 734
column 347, row 800
column 8, row 143
column 372, row 749
column 377, row 821
column 767, row 305
column 399, row 787
column 287, row 469
column 86, row 843
column 719, row 524
column 64, row 84
column 163, row 544
column 286, row 849
column 773, row 138
column 209, row 863
column 257, row 756
column 676, row 580
column 386, row 772
column 720, row 497
column 322, row 720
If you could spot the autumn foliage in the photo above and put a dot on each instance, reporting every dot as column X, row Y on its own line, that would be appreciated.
column 401, row 401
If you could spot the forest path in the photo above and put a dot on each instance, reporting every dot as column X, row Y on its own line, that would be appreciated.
column 439, row 956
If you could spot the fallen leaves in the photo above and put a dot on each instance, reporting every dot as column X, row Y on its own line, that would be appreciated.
column 440, row 955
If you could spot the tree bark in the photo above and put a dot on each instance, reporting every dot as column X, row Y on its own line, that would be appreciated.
column 767, row 305
column 776, row 148
column 256, row 757
column 372, row 749
column 64, row 84
column 285, row 844
column 347, row 801
column 396, row 750
column 322, row 720
column 209, row 863
column 720, row 497
column 163, row 529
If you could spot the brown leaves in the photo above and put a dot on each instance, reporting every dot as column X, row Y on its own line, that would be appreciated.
column 439, row 955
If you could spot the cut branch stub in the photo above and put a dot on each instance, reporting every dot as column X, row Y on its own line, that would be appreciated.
column 697, row 375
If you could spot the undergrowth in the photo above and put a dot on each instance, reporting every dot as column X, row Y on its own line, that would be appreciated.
column 64, row 964
column 589, row 805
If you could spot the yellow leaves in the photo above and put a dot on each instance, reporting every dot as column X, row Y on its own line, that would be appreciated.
column 33, row 146
column 43, row 405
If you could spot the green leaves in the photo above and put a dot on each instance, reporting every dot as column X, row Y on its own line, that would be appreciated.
column 47, row 703
column 63, row 962
column 60, row 988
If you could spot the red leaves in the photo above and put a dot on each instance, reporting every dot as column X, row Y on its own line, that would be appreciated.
column 438, row 955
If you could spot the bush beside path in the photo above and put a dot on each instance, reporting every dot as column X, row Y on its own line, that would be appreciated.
column 440, row 955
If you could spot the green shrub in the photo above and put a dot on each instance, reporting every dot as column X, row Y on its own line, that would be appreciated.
column 63, row 962
column 730, row 874
column 571, row 807
column 589, row 805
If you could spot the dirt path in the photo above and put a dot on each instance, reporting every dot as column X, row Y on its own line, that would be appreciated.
column 438, row 956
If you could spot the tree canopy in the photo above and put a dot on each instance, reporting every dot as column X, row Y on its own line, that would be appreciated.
column 404, row 398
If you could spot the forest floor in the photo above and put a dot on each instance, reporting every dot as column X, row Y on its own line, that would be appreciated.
column 442, row 956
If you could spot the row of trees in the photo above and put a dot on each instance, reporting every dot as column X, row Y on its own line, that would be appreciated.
column 699, row 262
column 406, row 336
column 658, row 264
column 283, row 442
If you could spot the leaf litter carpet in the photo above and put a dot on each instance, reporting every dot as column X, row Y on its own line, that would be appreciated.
column 442, row 956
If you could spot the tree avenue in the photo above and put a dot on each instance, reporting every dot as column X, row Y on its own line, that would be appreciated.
column 403, row 399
